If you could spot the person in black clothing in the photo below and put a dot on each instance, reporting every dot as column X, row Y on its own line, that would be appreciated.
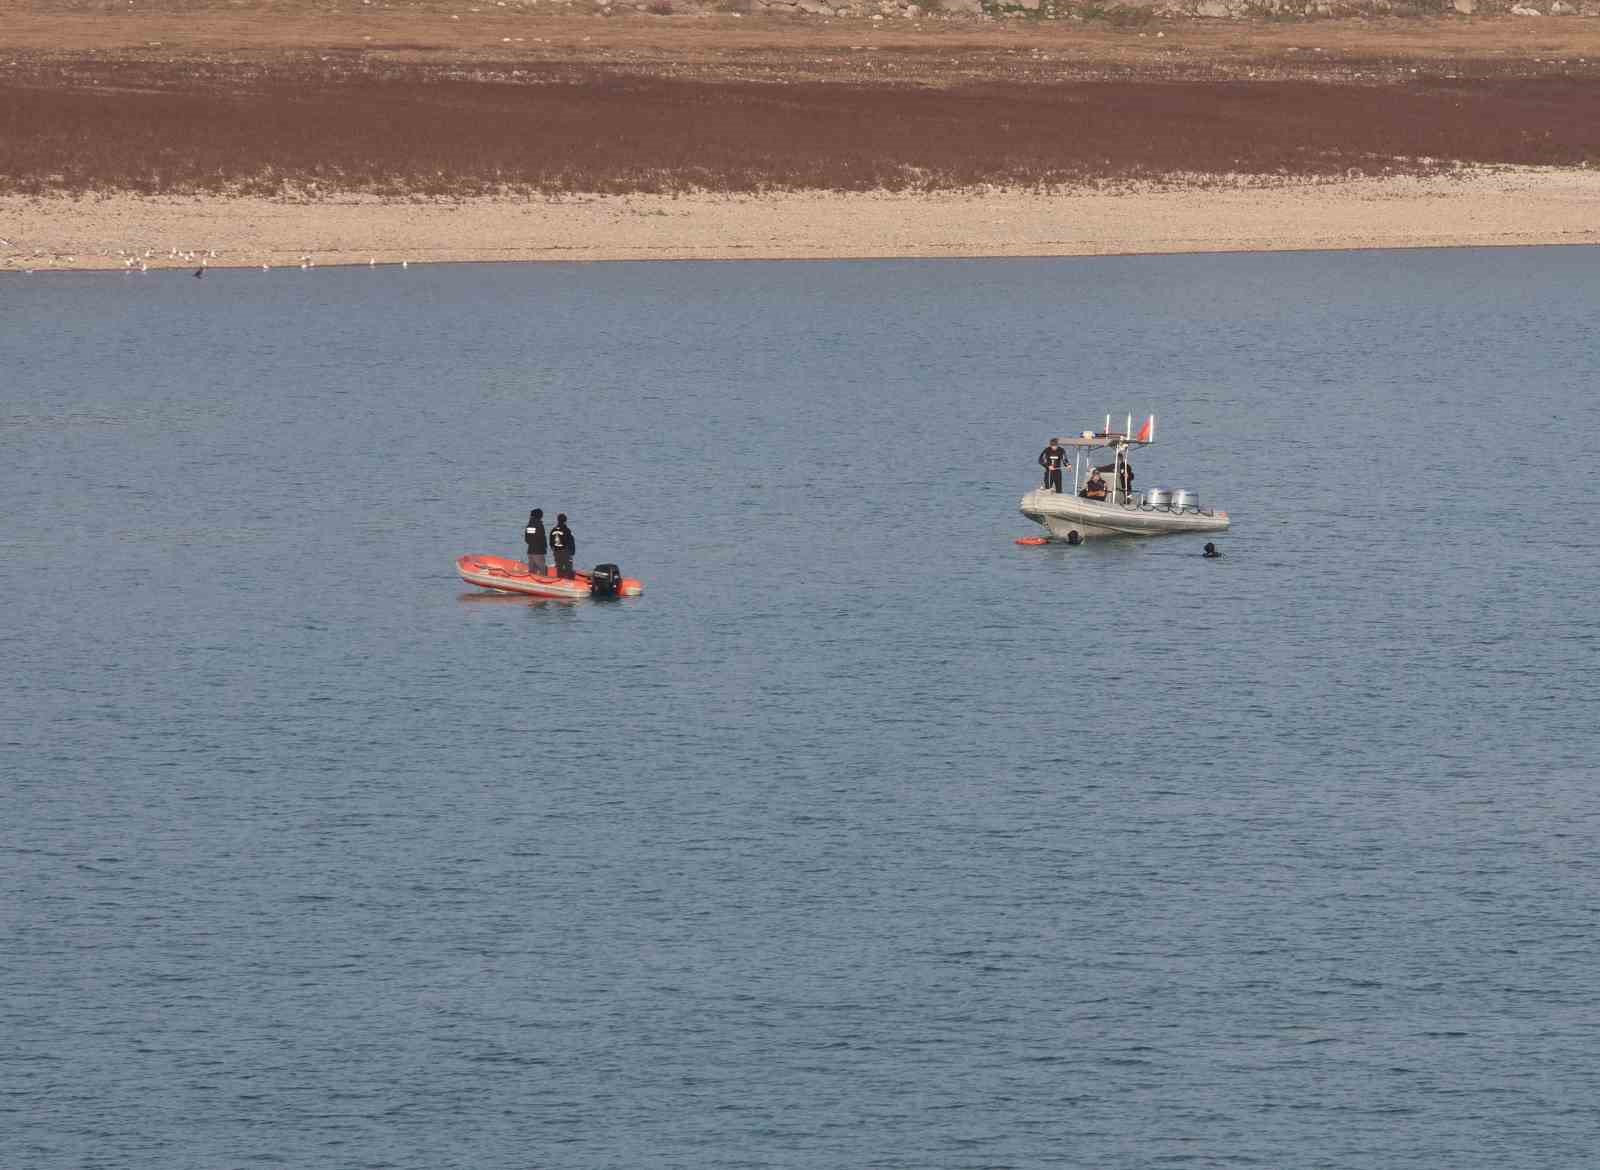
column 1051, row 459
column 1125, row 477
column 534, row 535
column 1211, row 551
column 562, row 546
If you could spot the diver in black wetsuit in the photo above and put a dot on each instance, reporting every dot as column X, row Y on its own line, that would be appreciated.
column 562, row 546
column 1211, row 551
column 1051, row 459
column 534, row 535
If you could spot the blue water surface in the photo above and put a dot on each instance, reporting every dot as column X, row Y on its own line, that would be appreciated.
column 865, row 838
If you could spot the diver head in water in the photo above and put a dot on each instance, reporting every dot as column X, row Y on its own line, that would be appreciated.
column 1211, row 550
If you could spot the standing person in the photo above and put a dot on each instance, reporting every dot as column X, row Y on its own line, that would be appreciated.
column 534, row 535
column 1051, row 459
column 562, row 546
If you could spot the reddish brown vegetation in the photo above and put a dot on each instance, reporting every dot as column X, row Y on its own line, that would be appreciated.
column 410, row 132
column 199, row 96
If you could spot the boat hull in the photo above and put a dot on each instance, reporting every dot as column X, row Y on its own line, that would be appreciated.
column 1061, row 515
column 504, row 575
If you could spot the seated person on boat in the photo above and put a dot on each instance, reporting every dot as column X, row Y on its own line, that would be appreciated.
column 1095, row 489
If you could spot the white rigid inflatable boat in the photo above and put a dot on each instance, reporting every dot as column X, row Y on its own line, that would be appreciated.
column 1116, row 509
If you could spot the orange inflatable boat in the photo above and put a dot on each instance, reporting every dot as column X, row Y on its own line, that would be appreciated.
column 508, row 576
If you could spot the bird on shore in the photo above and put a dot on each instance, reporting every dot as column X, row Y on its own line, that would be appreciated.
column 199, row 272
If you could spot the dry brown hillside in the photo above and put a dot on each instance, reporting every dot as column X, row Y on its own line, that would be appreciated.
column 468, row 98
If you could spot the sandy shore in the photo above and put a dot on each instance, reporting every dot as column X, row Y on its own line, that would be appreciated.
column 1503, row 207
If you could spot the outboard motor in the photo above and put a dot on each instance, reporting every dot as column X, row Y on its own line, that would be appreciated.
column 605, row 581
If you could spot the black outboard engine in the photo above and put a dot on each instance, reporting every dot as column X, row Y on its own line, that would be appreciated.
column 605, row 581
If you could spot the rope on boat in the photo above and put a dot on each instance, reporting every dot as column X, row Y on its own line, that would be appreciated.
column 1142, row 507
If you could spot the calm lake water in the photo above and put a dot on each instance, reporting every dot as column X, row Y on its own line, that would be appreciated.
column 865, row 838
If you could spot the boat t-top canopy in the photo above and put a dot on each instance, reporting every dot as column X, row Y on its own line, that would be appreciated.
column 1118, row 442
column 1111, row 438
column 1099, row 440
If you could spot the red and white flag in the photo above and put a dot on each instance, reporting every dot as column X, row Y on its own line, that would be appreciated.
column 1147, row 433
